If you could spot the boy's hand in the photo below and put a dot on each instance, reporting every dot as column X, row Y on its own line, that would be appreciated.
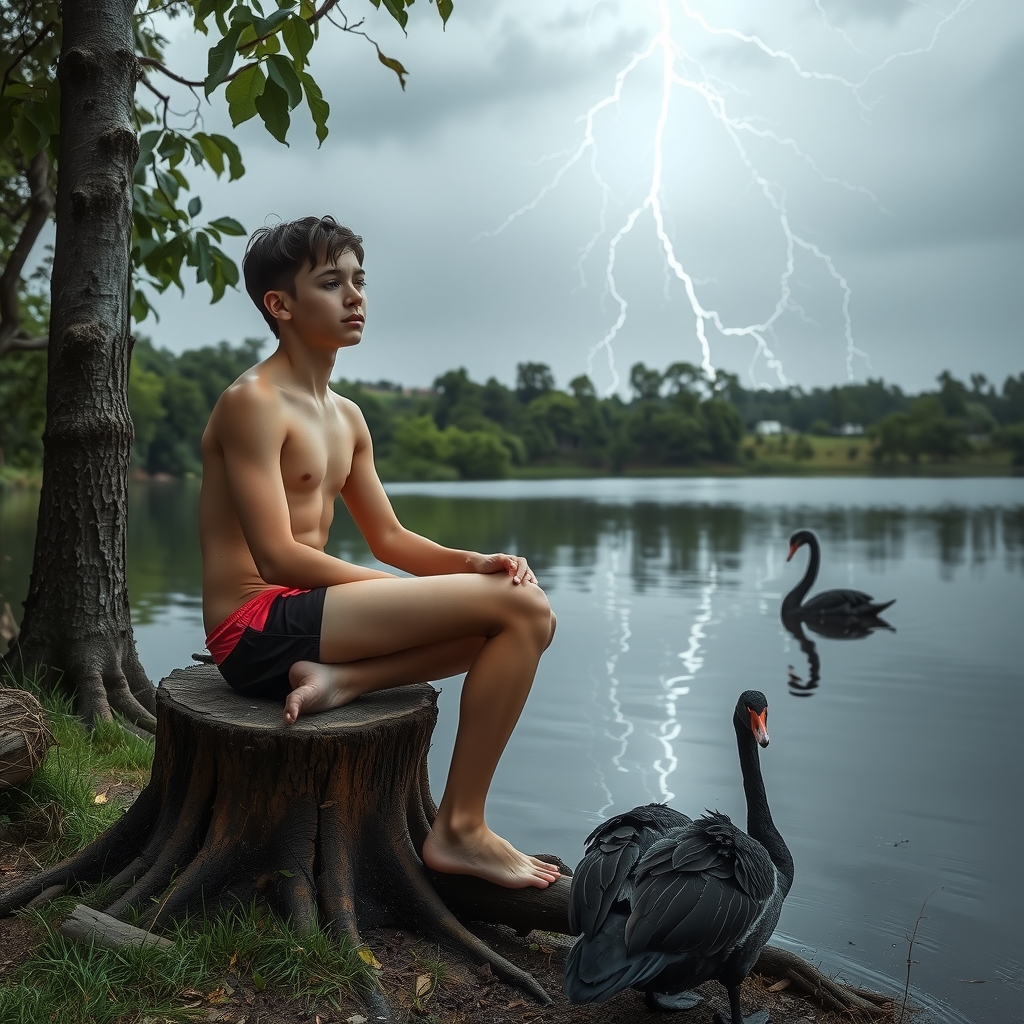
column 515, row 565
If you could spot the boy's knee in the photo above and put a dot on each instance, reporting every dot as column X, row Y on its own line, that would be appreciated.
column 528, row 606
column 553, row 622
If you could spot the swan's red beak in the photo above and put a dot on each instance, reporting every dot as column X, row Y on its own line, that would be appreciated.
column 759, row 726
column 793, row 548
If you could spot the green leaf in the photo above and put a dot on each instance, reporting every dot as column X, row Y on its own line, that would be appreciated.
column 28, row 136
column 396, row 8
column 140, row 307
column 230, row 150
column 202, row 253
column 147, row 143
column 298, row 38
column 258, row 981
column 264, row 26
column 395, row 65
column 222, row 56
column 243, row 91
column 319, row 108
column 211, row 151
column 195, row 204
column 272, row 106
column 168, row 184
column 230, row 270
column 282, row 72
column 172, row 148
column 228, row 225
column 444, row 8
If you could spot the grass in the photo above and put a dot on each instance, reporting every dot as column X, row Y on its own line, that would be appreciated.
column 80, row 983
column 807, row 455
column 73, row 795
column 61, row 809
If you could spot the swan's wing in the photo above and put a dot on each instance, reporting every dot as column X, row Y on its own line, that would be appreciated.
column 596, row 969
column 603, row 877
column 844, row 602
column 699, row 890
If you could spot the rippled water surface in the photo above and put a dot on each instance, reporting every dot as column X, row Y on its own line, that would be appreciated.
column 894, row 768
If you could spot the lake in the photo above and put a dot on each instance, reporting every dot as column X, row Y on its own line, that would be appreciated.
column 894, row 768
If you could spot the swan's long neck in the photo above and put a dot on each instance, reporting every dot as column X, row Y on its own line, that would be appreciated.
column 759, row 817
column 796, row 595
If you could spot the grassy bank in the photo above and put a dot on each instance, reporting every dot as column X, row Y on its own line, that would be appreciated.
column 83, row 785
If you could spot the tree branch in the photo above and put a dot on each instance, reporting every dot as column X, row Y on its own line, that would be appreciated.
column 325, row 9
column 22, row 342
column 40, row 205
column 43, row 33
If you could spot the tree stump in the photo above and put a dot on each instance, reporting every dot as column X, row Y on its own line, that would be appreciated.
column 25, row 737
column 324, row 819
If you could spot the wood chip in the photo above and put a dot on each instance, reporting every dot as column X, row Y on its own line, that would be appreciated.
column 515, row 1003
column 423, row 985
column 780, row 985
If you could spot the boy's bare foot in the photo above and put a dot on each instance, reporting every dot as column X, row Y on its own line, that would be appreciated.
column 486, row 855
column 315, row 688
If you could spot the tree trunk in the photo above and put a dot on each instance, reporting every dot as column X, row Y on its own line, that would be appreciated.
column 77, row 625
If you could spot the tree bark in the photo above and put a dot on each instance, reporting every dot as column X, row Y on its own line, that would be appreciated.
column 77, row 626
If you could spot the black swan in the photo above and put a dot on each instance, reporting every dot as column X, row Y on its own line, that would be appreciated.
column 665, row 903
column 850, row 604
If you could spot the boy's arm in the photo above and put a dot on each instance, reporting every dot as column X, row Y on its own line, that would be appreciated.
column 392, row 543
column 251, row 429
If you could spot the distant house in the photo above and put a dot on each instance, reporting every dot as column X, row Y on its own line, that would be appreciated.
column 851, row 430
column 766, row 428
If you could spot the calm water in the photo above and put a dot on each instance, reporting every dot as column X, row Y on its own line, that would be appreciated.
column 894, row 776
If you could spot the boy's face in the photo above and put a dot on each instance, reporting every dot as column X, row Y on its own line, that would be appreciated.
column 329, row 305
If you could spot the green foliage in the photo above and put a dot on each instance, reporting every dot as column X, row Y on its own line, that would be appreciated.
column 1012, row 439
column 259, row 54
column 171, row 397
column 79, row 983
column 23, row 401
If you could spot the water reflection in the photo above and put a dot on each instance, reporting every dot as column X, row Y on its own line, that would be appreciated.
column 843, row 629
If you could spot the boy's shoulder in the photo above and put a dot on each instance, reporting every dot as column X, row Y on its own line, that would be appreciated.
column 252, row 392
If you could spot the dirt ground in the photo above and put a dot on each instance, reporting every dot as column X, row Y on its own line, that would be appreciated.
column 422, row 984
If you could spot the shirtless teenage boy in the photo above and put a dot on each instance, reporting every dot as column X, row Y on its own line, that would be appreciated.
column 287, row 620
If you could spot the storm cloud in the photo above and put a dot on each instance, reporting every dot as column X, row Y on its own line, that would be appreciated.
column 493, row 109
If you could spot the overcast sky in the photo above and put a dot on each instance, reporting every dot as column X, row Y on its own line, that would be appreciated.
column 902, row 180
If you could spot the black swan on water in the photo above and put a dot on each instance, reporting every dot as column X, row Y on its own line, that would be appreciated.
column 850, row 604
column 665, row 903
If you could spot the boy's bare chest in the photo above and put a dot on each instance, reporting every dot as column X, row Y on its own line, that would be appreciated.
column 317, row 454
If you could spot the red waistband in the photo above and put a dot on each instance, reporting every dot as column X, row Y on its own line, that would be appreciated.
column 221, row 642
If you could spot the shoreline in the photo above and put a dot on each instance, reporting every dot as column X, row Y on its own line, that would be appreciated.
column 25, row 481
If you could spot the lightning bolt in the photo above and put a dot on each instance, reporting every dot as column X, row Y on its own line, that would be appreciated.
column 680, row 70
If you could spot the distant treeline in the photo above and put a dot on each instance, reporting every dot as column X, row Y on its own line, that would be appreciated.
column 462, row 429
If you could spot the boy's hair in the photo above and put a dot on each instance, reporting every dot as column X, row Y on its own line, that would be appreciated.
column 276, row 254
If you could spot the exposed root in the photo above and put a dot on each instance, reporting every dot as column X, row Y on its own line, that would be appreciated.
column 109, row 854
column 424, row 907
column 807, row 980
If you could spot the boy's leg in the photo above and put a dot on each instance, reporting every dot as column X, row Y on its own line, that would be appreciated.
column 375, row 618
column 320, row 687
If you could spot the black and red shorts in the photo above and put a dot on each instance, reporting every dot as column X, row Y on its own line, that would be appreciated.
column 256, row 646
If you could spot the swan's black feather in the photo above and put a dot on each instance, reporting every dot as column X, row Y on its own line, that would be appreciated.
column 603, row 877
column 719, row 880
column 665, row 903
column 597, row 968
